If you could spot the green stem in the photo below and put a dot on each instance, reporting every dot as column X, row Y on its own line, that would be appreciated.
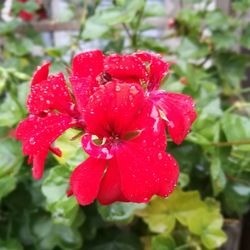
column 134, row 41
column 230, row 143
column 126, row 28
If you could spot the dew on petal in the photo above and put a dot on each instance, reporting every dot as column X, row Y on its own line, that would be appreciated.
column 134, row 90
column 117, row 88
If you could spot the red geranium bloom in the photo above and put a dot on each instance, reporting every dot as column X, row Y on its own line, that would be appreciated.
column 29, row 16
column 146, row 69
column 126, row 141
column 124, row 133
column 43, row 126
column 149, row 69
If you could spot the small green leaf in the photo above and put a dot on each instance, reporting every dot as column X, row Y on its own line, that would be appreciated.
column 217, row 174
column 201, row 218
column 236, row 128
column 245, row 38
column 8, row 27
column 119, row 211
column 64, row 209
column 72, row 152
column 11, row 244
column 49, row 235
column 162, row 242
column 11, row 160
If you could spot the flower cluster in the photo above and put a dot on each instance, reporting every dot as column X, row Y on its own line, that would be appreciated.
column 28, row 16
column 115, row 100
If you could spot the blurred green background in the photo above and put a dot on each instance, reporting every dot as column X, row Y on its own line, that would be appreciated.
column 209, row 41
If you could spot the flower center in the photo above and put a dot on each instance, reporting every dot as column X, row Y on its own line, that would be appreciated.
column 104, row 78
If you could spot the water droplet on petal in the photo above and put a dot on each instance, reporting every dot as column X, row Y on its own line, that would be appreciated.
column 170, row 124
column 160, row 156
column 117, row 88
column 134, row 90
column 32, row 141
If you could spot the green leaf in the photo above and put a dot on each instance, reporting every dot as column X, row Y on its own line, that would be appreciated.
column 190, row 19
column 64, row 209
column 49, row 235
column 189, row 49
column 119, row 211
column 207, row 224
column 12, row 109
column 8, row 27
column 217, row 174
column 216, row 20
column 161, row 214
column 3, row 78
column 236, row 64
column 224, row 40
column 245, row 38
column 201, row 218
column 11, row 244
column 72, row 152
column 162, row 242
column 183, row 180
column 104, row 19
column 236, row 198
column 153, row 9
column 9, row 112
column 29, row 6
column 19, row 47
column 237, row 128
column 7, row 185
column 11, row 160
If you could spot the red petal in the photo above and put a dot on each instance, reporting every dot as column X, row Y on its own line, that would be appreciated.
column 37, row 134
column 41, row 74
column 38, row 164
column 50, row 94
column 88, row 64
column 112, row 109
column 157, row 68
column 179, row 111
column 153, row 131
column 126, row 67
column 110, row 189
column 83, row 88
column 85, row 180
column 144, row 175
column 140, row 167
column 169, row 173
column 25, row 15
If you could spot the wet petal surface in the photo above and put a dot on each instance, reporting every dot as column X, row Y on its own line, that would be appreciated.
column 85, row 180
column 40, row 74
column 126, row 67
column 38, row 133
column 88, row 64
column 179, row 111
column 157, row 68
column 50, row 94
column 112, row 109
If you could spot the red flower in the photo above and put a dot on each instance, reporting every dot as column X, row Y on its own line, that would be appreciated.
column 146, row 69
column 29, row 16
column 124, row 132
column 126, row 141
column 43, row 126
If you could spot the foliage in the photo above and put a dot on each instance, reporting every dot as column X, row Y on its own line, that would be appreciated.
column 214, row 160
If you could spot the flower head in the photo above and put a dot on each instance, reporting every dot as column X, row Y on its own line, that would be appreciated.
column 126, row 138
column 116, row 102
